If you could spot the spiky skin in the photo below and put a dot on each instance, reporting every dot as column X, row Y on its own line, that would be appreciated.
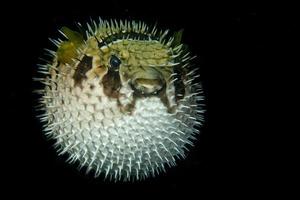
column 122, row 101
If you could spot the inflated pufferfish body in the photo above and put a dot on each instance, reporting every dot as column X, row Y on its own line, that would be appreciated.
column 121, row 100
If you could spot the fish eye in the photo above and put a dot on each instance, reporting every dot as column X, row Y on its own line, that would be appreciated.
column 114, row 61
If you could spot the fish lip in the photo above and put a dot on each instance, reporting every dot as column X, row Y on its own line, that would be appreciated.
column 144, row 89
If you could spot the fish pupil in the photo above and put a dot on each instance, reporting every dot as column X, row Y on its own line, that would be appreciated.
column 114, row 61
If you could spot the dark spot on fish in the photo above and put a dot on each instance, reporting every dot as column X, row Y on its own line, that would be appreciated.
column 178, row 84
column 84, row 65
column 58, row 64
column 164, row 99
column 92, row 87
column 112, row 84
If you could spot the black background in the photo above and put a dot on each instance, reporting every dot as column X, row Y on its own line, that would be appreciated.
column 235, row 45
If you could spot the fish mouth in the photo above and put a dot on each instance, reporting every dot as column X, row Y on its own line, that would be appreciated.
column 147, row 86
column 147, row 82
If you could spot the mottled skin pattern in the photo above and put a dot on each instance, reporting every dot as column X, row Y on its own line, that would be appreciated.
column 143, row 66
column 121, row 100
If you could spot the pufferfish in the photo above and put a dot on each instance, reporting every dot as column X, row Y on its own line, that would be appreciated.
column 121, row 99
